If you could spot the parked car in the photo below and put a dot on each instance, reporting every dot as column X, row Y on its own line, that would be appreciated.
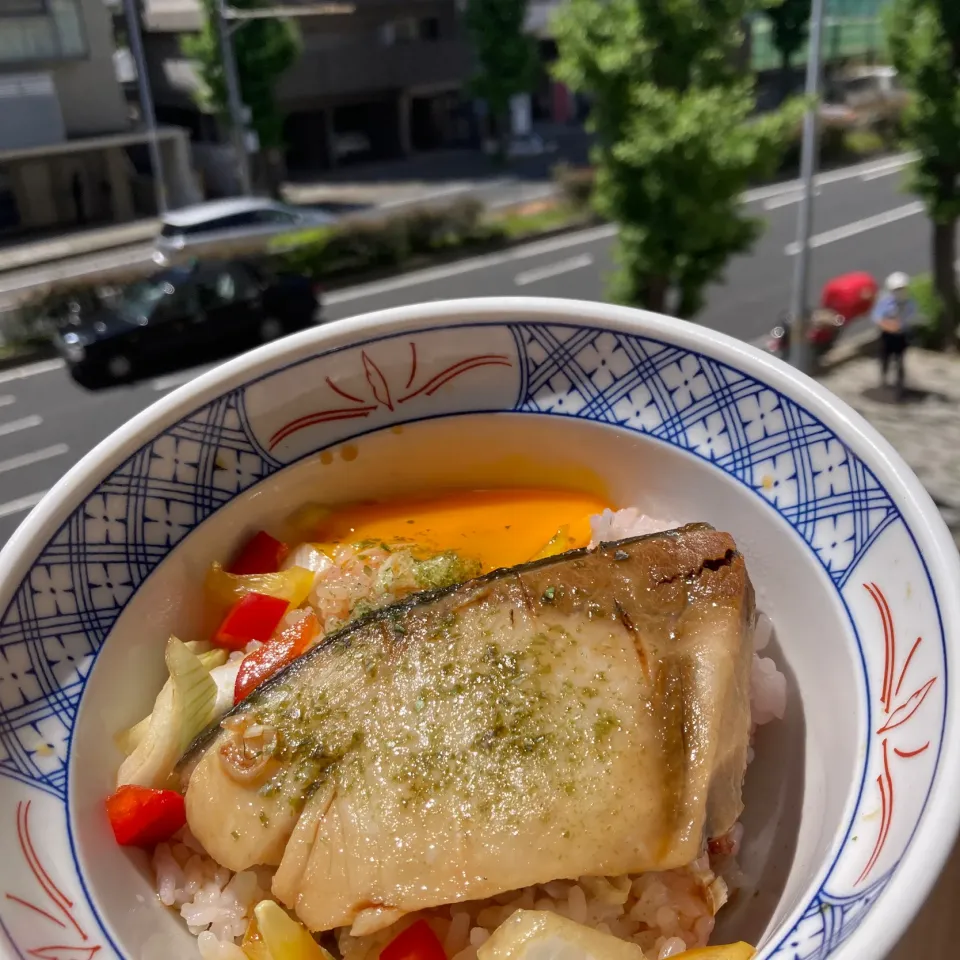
column 243, row 222
column 182, row 316
column 871, row 92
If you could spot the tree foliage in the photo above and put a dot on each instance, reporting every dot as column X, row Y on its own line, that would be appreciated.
column 677, row 139
column 506, row 56
column 789, row 23
column 264, row 50
column 924, row 43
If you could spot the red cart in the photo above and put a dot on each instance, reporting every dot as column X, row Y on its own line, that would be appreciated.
column 842, row 300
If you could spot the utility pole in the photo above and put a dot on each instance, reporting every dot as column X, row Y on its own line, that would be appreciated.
column 132, row 12
column 800, row 354
column 228, row 21
column 238, row 127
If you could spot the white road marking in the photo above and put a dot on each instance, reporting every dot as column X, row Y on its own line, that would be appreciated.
column 858, row 226
column 22, row 505
column 7, row 399
column 784, row 200
column 30, row 370
column 24, row 423
column 884, row 170
column 553, row 270
column 36, row 456
column 431, row 274
column 834, row 176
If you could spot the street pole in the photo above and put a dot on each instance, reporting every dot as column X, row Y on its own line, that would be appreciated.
column 800, row 353
column 147, row 114
column 235, row 104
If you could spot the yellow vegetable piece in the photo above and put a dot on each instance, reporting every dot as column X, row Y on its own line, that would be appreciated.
column 539, row 935
column 252, row 943
column 225, row 589
column 729, row 951
column 283, row 937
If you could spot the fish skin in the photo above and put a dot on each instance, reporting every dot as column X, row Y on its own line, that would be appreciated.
column 653, row 757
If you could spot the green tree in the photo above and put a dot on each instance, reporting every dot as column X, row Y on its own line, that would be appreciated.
column 677, row 141
column 506, row 56
column 789, row 21
column 924, row 41
column 264, row 50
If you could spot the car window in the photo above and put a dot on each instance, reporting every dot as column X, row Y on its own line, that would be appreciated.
column 140, row 300
column 225, row 285
column 279, row 217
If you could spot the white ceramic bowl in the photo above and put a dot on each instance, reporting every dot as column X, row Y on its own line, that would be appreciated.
column 852, row 801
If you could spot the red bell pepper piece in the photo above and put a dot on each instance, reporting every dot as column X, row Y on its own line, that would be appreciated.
column 417, row 942
column 254, row 617
column 261, row 554
column 274, row 655
column 143, row 817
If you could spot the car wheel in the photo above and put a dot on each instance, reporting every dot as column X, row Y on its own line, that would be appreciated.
column 84, row 377
column 119, row 367
column 270, row 329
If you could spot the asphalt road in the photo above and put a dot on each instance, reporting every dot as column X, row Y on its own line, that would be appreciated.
column 493, row 192
column 863, row 221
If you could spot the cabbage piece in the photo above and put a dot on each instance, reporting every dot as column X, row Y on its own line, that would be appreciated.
column 184, row 707
column 225, row 589
column 275, row 935
column 225, row 677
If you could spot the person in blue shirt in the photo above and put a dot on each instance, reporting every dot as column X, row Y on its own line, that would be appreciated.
column 895, row 314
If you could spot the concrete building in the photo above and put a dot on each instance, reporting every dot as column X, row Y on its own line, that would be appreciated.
column 381, row 82
column 69, row 154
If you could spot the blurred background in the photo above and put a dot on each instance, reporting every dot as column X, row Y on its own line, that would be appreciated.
column 182, row 180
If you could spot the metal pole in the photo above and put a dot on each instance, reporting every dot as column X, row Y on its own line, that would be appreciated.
column 800, row 353
column 234, row 102
column 149, row 118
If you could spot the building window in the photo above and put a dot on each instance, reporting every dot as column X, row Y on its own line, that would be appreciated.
column 33, row 30
column 430, row 28
column 409, row 29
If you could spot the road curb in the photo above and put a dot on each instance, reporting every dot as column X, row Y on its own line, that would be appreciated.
column 27, row 354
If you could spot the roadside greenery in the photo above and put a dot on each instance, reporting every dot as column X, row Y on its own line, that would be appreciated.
column 505, row 55
column 928, row 310
column 264, row 50
column 677, row 138
column 924, row 41
column 789, row 23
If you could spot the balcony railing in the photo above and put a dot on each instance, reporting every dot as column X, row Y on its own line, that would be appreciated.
column 33, row 31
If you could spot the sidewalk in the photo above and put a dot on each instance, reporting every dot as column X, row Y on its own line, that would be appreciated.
column 924, row 429
column 18, row 255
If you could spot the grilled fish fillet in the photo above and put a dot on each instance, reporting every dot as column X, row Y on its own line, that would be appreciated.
column 582, row 715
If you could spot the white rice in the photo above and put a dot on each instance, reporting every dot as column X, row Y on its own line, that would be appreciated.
column 664, row 913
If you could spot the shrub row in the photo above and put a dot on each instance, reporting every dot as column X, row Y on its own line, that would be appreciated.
column 353, row 245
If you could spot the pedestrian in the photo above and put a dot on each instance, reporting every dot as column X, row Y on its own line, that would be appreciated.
column 76, row 189
column 894, row 313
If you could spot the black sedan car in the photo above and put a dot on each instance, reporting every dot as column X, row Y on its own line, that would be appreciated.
column 184, row 316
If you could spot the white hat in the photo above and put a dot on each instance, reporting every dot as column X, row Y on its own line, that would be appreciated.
column 898, row 281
